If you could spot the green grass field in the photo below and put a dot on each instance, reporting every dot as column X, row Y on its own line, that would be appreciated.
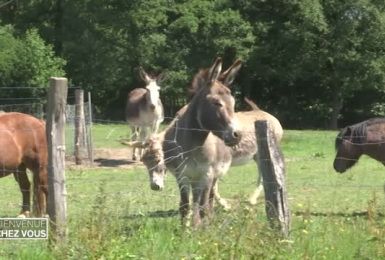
column 113, row 214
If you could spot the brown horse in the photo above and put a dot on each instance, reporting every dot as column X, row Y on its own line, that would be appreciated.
column 144, row 109
column 367, row 137
column 24, row 146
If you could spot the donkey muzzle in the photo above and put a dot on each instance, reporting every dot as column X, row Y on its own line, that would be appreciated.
column 232, row 137
column 157, row 183
column 152, row 107
column 155, row 186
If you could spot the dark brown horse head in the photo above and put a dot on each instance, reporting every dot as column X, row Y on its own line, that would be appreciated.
column 348, row 148
column 213, row 103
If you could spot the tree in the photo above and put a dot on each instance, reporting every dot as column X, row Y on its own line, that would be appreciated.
column 27, row 60
column 201, row 30
column 305, row 61
column 106, row 41
column 354, row 59
column 314, row 55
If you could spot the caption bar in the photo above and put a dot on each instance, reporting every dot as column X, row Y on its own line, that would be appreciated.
column 23, row 228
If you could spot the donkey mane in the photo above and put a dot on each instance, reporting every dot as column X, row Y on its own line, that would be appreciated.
column 197, row 82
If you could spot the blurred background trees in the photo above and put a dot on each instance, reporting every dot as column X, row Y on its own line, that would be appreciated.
column 312, row 63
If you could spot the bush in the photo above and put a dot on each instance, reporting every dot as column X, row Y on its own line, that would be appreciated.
column 27, row 60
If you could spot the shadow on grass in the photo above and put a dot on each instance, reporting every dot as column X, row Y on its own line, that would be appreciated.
column 113, row 162
column 337, row 214
column 154, row 214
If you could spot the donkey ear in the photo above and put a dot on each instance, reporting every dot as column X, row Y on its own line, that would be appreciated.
column 144, row 76
column 215, row 70
column 160, row 77
column 228, row 76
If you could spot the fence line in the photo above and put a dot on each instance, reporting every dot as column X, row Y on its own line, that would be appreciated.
column 292, row 182
column 137, row 198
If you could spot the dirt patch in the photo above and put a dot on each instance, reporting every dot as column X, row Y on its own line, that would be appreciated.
column 108, row 157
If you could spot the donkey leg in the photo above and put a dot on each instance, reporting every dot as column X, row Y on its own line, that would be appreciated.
column 134, row 137
column 213, row 189
column 205, row 188
column 143, row 136
column 255, row 195
column 155, row 126
column 197, row 191
column 25, row 188
column 221, row 201
column 184, row 204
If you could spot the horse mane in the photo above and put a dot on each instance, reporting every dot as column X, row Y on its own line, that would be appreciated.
column 357, row 133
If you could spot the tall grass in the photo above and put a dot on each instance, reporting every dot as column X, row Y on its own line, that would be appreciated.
column 113, row 214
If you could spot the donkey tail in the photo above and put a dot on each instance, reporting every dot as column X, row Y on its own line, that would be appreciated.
column 251, row 104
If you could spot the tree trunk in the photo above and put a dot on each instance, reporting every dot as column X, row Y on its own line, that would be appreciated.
column 58, row 27
column 336, row 109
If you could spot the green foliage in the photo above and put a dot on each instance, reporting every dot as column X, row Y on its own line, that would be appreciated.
column 106, row 41
column 305, row 61
column 37, row 61
column 8, row 54
column 204, row 29
column 27, row 60
column 315, row 55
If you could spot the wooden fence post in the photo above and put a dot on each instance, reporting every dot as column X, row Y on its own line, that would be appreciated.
column 57, row 99
column 272, row 167
column 89, row 132
column 80, row 126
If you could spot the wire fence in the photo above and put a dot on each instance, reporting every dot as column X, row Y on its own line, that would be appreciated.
column 313, row 185
column 327, row 193
column 86, row 141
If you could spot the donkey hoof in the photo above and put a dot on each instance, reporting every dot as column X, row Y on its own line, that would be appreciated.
column 186, row 223
column 24, row 214
column 224, row 204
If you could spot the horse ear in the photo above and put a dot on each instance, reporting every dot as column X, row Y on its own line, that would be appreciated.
column 144, row 76
column 215, row 70
column 228, row 76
